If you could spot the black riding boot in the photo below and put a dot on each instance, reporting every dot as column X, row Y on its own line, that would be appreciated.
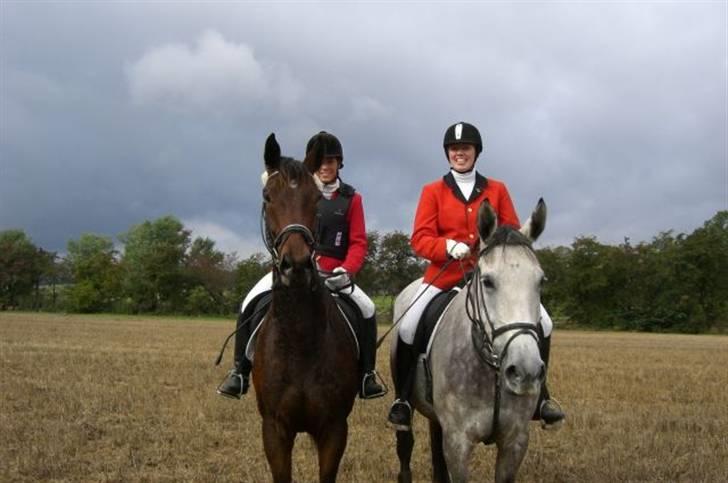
column 370, row 388
column 237, row 382
column 400, row 414
column 547, row 410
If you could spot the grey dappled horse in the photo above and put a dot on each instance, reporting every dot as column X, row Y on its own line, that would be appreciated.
column 484, row 357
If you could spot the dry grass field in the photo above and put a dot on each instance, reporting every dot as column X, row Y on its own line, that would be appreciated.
column 104, row 398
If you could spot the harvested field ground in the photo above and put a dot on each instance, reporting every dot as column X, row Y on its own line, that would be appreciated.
column 107, row 398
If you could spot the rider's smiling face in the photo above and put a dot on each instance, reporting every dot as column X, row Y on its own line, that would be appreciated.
column 329, row 169
column 461, row 157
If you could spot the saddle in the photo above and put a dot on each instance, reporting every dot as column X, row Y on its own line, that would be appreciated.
column 430, row 317
column 426, row 329
column 347, row 307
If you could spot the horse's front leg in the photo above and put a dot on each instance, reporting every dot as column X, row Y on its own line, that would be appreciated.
column 331, row 443
column 405, row 443
column 457, row 449
column 510, row 455
column 278, row 445
column 439, row 466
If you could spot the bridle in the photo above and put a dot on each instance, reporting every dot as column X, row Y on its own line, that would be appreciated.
column 274, row 243
column 483, row 342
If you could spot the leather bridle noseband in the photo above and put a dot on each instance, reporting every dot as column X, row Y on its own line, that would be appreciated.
column 483, row 343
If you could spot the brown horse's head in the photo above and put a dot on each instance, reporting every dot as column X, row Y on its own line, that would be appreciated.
column 290, row 198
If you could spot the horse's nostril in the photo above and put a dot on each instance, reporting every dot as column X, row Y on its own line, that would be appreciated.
column 512, row 373
column 542, row 373
column 285, row 263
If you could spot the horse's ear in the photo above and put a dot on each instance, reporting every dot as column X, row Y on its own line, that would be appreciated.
column 314, row 156
column 272, row 154
column 536, row 223
column 487, row 221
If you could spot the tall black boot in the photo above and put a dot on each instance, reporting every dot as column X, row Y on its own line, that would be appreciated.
column 547, row 410
column 370, row 388
column 400, row 414
column 237, row 382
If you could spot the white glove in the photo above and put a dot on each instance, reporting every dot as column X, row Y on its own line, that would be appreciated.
column 337, row 282
column 457, row 250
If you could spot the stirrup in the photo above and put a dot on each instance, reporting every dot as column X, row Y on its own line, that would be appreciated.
column 374, row 375
column 232, row 395
column 400, row 426
column 556, row 425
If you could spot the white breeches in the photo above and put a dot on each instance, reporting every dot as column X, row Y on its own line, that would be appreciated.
column 423, row 296
column 411, row 318
column 264, row 285
column 361, row 299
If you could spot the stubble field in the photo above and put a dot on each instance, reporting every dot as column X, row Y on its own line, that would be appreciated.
column 103, row 398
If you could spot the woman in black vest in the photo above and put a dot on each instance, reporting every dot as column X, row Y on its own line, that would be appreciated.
column 340, row 249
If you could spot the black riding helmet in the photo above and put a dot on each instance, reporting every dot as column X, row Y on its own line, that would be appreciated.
column 463, row 133
column 331, row 144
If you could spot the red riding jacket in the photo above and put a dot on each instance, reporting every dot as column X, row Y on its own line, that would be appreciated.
column 444, row 213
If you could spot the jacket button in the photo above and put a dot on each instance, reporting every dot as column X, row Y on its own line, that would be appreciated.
column 471, row 236
column 470, row 210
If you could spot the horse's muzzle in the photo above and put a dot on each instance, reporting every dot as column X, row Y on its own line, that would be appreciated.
column 296, row 271
column 525, row 379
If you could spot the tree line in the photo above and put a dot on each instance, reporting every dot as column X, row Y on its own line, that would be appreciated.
column 676, row 282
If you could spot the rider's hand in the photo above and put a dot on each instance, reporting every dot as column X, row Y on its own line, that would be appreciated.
column 338, row 281
column 457, row 250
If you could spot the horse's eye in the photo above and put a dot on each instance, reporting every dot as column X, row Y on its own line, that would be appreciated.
column 266, row 196
column 488, row 282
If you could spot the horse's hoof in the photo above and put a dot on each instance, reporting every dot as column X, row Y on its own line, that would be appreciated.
column 404, row 477
column 553, row 426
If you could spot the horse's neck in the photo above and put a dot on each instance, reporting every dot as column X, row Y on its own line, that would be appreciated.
column 299, row 313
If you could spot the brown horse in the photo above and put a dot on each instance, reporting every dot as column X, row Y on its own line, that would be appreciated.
column 305, row 372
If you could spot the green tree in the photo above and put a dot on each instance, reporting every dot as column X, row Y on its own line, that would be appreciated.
column 21, row 267
column 704, row 272
column 153, row 263
column 95, row 270
column 210, row 275
column 367, row 277
column 397, row 264
column 555, row 264
column 590, row 282
column 247, row 274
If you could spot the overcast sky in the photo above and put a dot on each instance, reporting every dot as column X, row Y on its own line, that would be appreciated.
column 112, row 113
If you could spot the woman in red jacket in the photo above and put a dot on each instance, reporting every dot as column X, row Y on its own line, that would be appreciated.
column 446, row 228
column 341, row 246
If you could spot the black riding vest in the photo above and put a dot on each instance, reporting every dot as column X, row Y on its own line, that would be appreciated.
column 332, row 235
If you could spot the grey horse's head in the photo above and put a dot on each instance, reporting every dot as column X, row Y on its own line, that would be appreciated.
column 511, row 279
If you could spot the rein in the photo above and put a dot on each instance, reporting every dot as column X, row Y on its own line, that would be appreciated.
column 483, row 342
column 396, row 322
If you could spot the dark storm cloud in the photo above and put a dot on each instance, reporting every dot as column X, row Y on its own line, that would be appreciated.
column 117, row 113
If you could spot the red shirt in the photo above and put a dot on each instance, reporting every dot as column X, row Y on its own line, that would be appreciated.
column 443, row 213
column 357, row 250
